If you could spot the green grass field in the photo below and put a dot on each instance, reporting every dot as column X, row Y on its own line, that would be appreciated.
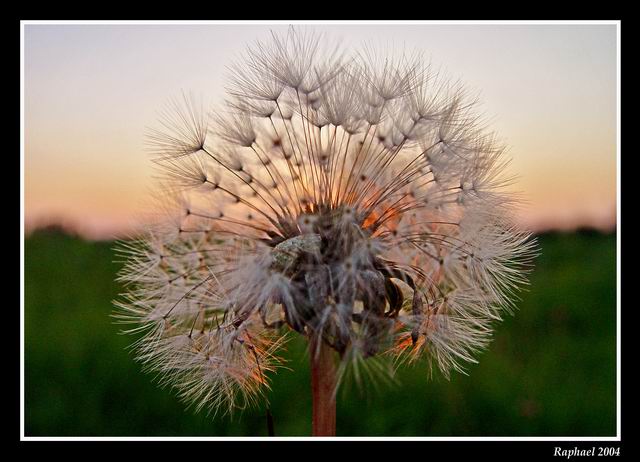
column 551, row 369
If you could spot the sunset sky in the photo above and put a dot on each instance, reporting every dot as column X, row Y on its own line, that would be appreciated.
column 91, row 90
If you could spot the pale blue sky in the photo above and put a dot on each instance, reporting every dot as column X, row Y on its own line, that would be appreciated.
column 90, row 90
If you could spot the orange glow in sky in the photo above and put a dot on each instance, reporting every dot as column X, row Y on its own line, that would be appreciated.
column 90, row 91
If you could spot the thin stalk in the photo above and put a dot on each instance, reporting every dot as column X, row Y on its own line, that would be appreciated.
column 323, row 382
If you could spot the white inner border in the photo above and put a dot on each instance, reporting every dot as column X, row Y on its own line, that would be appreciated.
column 303, row 438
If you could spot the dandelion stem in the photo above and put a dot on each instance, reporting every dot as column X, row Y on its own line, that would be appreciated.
column 323, row 381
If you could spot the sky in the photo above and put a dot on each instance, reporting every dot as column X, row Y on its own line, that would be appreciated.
column 91, row 91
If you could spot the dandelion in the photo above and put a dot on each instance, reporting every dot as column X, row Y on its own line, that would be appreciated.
column 356, row 200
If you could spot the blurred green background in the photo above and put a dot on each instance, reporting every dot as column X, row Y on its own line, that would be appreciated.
column 551, row 370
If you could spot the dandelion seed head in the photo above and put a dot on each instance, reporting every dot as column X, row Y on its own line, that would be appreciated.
column 355, row 199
